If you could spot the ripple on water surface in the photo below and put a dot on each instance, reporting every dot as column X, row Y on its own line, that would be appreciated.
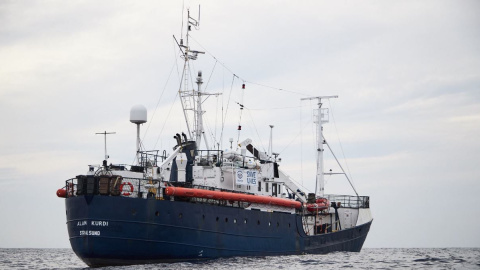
column 449, row 258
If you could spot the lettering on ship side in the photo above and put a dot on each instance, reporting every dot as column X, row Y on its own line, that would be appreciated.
column 96, row 223
column 81, row 223
column 91, row 233
column 99, row 223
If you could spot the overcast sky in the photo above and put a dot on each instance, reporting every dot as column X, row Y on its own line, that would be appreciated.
column 407, row 74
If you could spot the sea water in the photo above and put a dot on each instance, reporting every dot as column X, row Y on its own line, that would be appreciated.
column 368, row 258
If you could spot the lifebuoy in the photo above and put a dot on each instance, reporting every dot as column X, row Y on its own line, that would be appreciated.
column 126, row 193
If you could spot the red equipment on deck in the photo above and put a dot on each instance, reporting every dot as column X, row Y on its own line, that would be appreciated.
column 220, row 195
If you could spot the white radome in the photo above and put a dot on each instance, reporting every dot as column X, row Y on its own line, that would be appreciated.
column 138, row 114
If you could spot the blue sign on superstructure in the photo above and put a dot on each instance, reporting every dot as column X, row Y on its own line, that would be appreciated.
column 246, row 177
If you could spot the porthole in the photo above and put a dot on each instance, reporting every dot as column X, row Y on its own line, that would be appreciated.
column 288, row 225
column 217, row 219
column 234, row 220
column 258, row 222
column 245, row 221
column 203, row 216
column 134, row 212
column 157, row 213
column 269, row 223
column 278, row 224
column 226, row 219
column 180, row 215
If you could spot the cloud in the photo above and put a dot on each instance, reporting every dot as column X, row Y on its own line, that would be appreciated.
column 406, row 74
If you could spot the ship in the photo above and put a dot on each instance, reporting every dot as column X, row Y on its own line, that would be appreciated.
column 198, row 202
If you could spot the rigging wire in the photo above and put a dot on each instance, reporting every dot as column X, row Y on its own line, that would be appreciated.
column 256, row 130
column 210, row 133
column 277, row 108
column 188, row 68
column 224, row 114
column 241, row 111
column 175, row 46
column 226, row 111
column 213, row 69
column 294, row 139
column 244, row 80
column 175, row 63
column 225, row 67
column 279, row 89
column 193, row 104
column 223, row 92
column 181, row 98
column 221, row 63
column 239, row 123
column 170, row 110
column 183, row 12
column 205, row 89
column 158, row 102
column 216, row 118
column 301, row 145
column 301, row 185
column 331, row 151
column 166, row 118
column 339, row 142
column 215, row 125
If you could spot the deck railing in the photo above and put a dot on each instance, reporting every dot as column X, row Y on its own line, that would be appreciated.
column 135, row 188
column 111, row 186
column 145, row 188
column 350, row 201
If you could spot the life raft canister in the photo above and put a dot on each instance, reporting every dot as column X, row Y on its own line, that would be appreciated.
column 61, row 193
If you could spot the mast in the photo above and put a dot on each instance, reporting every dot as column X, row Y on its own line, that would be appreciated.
column 270, row 149
column 187, row 97
column 199, row 114
column 192, row 100
column 320, row 181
